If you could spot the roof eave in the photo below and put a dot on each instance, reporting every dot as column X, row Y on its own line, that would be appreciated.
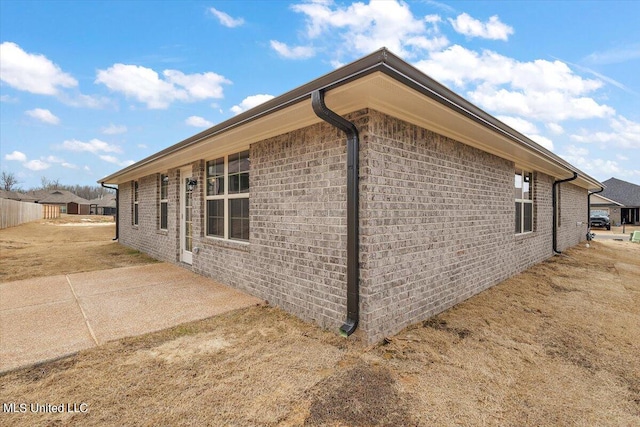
column 394, row 67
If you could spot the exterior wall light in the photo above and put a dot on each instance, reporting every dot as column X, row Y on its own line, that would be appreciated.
column 191, row 184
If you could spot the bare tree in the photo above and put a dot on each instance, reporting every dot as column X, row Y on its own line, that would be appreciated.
column 88, row 192
column 8, row 181
column 49, row 184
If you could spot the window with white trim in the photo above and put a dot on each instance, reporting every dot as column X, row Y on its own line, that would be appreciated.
column 524, row 201
column 164, row 202
column 134, row 216
column 228, row 197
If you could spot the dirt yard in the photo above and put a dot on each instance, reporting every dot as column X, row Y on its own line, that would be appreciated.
column 627, row 229
column 556, row 345
column 69, row 244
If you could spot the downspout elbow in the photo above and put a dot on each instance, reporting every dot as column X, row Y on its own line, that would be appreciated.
column 555, row 210
column 117, row 209
column 589, row 206
column 353, row 234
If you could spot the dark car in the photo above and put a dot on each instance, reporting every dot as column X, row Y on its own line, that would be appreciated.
column 598, row 220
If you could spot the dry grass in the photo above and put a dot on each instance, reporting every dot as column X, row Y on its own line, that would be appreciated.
column 556, row 345
column 627, row 229
column 69, row 244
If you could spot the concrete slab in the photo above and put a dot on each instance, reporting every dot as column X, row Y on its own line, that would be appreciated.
column 36, row 291
column 146, row 308
column 97, row 282
column 46, row 318
column 41, row 332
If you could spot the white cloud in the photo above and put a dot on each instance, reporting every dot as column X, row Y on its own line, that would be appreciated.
column 555, row 128
column 43, row 115
column 8, row 99
column 573, row 150
column 552, row 105
column 624, row 133
column 198, row 86
column 225, row 19
column 61, row 162
column 115, row 160
column 31, row 72
column 527, row 128
column 615, row 56
column 250, row 102
column 93, row 146
column 114, row 129
column 199, row 122
column 363, row 28
column 145, row 85
column 539, row 89
column 36, row 165
column 542, row 140
column 493, row 29
column 519, row 124
column 53, row 159
column 441, row 6
column 297, row 52
column 461, row 66
column 580, row 157
column 16, row 156
column 88, row 101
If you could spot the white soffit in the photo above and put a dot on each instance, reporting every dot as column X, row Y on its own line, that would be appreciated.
column 392, row 97
column 377, row 91
column 601, row 200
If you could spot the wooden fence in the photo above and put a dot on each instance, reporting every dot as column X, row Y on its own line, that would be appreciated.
column 14, row 213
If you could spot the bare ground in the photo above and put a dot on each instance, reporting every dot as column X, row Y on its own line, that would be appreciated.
column 556, row 345
column 69, row 244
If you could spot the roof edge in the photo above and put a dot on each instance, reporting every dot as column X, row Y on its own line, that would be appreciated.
column 390, row 64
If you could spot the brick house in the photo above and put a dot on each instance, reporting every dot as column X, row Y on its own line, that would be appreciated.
column 372, row 194
column 620, row 200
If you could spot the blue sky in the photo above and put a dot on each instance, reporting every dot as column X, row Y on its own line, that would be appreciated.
column 89, row 87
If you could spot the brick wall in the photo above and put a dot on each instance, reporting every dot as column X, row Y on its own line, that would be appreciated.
column 573, row 215
column 436, row 217
column 438, row 224
column 298, row 214
column 147, row 236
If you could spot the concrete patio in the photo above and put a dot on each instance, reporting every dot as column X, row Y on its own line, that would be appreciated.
column 49, row 317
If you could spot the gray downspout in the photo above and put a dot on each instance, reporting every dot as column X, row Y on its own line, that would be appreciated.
column 353, row 234
column 117, row 209
column 589, row 207
column 555, row 210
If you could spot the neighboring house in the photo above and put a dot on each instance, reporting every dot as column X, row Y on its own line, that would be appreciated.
column 105, row 205
column 69, row 203
column 441, row 201
column 620, row 199
column 14, row 195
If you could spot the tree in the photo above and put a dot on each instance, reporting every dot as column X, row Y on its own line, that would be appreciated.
column 49, row 184
column 8, row 181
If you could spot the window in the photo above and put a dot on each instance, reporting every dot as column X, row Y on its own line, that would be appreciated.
column 135, row 203
column 524, row 202
column 228, row 197
column 164, row 201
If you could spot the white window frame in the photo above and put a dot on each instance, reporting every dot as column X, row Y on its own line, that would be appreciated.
column 225, row 196
column 135, row 217
column 164, row 180
column 519, row 199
